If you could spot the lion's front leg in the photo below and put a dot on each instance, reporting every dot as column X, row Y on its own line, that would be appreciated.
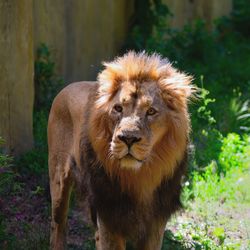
column 60, row 188
column 105, row 240
column 153, row 238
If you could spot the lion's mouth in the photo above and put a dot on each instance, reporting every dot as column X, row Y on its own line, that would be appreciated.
column 131, row 157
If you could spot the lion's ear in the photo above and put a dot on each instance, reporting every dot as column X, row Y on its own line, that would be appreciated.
column 108, row 81
column 177, row 89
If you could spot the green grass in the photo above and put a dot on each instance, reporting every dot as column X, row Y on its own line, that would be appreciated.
column 217, row 214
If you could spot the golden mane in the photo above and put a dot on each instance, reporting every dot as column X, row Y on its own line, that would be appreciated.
column 175, row 88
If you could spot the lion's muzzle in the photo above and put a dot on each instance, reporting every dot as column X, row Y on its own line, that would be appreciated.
column 130, row 142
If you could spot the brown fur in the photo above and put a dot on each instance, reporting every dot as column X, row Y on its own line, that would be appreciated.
column 83, row 134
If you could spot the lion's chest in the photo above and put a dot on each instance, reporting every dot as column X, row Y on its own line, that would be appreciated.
column 119, row 210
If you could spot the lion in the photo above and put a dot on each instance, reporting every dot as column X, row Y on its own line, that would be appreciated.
column 123, row 139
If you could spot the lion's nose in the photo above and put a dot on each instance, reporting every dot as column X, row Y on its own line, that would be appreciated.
column 129, row 140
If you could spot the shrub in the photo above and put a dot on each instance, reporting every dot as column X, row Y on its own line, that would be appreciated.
column 233, row 153
column 220, row 179
column 148, row 14
column 47, row 83
column 241, row 16
column 206, row 137
column 238, row 115
column 193, row 41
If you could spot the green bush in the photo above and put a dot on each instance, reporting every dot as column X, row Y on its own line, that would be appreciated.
column 148, row 14
column 221, row 178
column 193, row 41
column 206, row 137
column 47, row 83
column 241, row 16
column 238, row 116
column 233, row 153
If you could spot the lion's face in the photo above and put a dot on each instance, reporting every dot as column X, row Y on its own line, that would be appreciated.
column 138, row 119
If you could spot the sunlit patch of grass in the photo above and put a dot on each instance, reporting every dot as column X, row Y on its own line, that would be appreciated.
column 217, row 212
column 216, row 220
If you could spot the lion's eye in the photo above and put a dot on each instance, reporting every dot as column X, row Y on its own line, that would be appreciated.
column 118, row 108
column 151, row 111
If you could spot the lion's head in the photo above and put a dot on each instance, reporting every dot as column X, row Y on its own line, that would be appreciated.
column 140, row 123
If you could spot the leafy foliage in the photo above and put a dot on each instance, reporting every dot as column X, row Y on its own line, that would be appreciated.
column 147, row 14
column 47, row 83
column 220, row 177
column 239, row 112
column 233, row 153
column 241, row 16
column 207, row 139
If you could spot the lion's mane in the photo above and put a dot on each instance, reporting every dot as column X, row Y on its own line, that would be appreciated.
column 176, row 90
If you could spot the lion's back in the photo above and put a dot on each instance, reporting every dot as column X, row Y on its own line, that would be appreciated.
column 67, row 117
column 72, row 99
